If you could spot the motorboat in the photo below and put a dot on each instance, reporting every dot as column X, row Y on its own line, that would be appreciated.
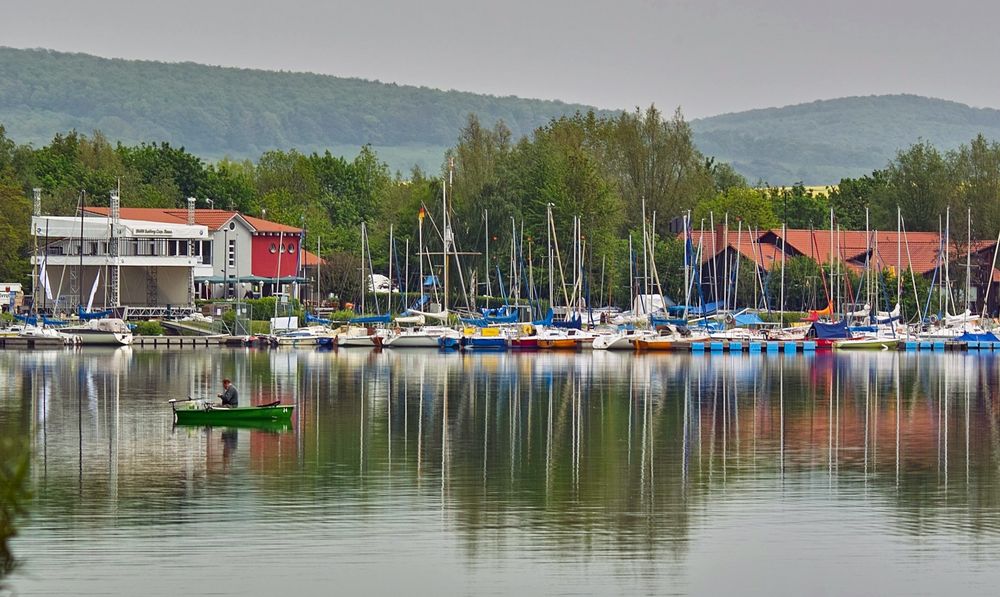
column 564, row 339
column 353, row 336
column 101, row 332
column 621, row 340
column 307, row 336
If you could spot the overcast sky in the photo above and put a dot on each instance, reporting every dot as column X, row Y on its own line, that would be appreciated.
column 707, row 56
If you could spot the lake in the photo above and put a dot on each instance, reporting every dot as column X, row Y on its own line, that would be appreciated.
column 414, row 472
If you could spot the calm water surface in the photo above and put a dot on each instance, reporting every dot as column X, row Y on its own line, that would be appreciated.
column 538, row 474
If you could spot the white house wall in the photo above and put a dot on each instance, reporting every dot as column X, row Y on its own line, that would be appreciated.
column 244, row 240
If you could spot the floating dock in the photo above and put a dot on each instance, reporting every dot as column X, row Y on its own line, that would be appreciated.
column 752, row 346
column 187, row 341
column 31, row 343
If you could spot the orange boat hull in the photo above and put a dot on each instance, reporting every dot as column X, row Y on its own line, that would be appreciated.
column 558, row 344
column 652, row 345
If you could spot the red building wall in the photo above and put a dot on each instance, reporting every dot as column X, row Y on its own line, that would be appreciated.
column 264, row 262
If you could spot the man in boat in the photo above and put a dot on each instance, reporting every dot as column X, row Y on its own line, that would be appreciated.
column 230, row 397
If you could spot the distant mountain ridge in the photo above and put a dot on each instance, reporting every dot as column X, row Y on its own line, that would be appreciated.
column 215, row 111
column 220, row 111
column 820, row 142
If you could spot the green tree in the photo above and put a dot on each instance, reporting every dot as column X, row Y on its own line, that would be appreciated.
column 15, row 233
column 749, row 205
column 797, row 206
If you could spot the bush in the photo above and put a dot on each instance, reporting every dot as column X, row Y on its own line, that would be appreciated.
column 262, row 309
column 148, row 328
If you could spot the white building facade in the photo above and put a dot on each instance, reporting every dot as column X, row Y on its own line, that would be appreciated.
column 109, row 262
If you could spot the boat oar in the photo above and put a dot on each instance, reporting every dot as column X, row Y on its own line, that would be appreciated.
column 189, row 399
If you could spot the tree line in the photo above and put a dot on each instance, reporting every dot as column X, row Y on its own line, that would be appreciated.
column 603, row 168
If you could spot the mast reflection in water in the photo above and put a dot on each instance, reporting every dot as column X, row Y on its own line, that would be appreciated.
column 493, row 473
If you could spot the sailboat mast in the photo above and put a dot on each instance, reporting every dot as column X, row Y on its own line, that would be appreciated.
column 687, row 263
column 447, row 232
column 645, row 259
column 548, row 238
column 631, row 277
column 947, row 255
column 968, row 265
column 37, row 212
column 406, row 275
column 79, row 275
column 364, row 266
column 725, row 249
column 489, row 288
column 420, row 254
column 715, row 253
column 784, row 253
column 899, row 259
column 833, row 290
column 392, row 250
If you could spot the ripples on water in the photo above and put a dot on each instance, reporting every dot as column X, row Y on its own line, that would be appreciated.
column 431, row 473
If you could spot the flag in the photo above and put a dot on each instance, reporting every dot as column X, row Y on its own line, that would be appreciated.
column 422, row 213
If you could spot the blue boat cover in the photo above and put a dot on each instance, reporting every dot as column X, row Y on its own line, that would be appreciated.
column 371, row 319
column 656, row 321
column 548, row 319
column 310, row 318
column 492, row 317
column 83, row 315
column 985, row 337
column 746, row 319
column 865, row 329
column 33, row 320
column 420, row 303
column 694, row 311
column 574, row 323
column 829, row 331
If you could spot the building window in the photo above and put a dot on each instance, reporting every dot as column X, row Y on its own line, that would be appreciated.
column 274, row 248
column 291, row 248
column 232, row 253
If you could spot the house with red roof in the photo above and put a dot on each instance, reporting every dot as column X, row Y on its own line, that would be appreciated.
column 242, row 256
column 922, row 252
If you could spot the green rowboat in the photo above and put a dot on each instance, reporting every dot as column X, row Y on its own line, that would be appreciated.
column 267, row 426
column 201, row 412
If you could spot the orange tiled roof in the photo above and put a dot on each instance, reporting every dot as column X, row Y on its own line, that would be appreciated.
column 213, row 219
column 312, row 259
column 919, row 249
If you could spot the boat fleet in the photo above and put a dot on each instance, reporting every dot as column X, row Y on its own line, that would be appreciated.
column 89, row 329
column 654, row 323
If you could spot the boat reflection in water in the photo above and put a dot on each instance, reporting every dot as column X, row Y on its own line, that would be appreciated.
column 594, row 471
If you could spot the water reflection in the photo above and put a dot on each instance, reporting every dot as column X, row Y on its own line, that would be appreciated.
column 628, row 465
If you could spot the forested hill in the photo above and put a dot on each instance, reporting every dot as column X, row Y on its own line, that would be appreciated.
column 241, row 113
column 823, row 141
column 215, row 111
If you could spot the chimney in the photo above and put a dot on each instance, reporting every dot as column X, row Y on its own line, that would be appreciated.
column 37, row 206
column 191, row 202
